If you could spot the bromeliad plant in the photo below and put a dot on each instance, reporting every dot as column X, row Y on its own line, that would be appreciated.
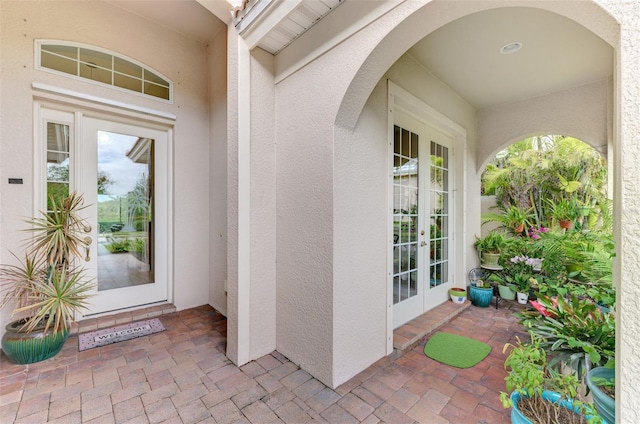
column 575, row 331
column 49, row 286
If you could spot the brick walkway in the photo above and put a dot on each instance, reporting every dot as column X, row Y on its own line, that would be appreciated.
column 182, row 376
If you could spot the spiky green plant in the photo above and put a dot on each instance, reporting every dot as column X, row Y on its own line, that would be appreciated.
column 48, row 286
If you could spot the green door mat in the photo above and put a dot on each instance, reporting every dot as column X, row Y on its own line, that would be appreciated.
column 454, row 350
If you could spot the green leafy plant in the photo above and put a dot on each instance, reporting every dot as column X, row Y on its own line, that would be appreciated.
column 513, row 218
column 530, row 375
column 562, row 210
column 576, row 332
column 493, row 242
column 47, row 287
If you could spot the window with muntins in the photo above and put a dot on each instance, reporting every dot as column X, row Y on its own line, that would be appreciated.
column 101, row 66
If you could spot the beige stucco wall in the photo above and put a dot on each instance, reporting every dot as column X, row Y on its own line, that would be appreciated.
column 217, row 66
column 555, row 113
column 181, row 59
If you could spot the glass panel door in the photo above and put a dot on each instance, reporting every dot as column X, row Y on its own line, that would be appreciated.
column 439, row 260
column 128, row 207
column 408, row 236
column 422, row 237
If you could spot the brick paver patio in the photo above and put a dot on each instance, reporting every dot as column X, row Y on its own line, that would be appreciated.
column 182, row 376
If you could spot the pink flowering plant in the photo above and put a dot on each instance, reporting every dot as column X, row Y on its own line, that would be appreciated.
column 519, row 273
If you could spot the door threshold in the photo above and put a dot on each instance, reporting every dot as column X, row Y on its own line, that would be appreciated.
column 121, row 317
column 407, row 336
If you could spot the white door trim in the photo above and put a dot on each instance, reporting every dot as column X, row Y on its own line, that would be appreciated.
column 400, row 100
column 72, row 115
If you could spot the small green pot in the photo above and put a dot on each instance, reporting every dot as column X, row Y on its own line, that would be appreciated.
column 490, row 259
column 506, row 293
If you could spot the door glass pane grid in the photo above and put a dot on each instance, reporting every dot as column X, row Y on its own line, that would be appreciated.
column 439, row 215
column 57, row 162
column 125, row 211
column 405, row 215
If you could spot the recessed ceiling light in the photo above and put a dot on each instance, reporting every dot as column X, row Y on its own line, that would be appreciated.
column 511, row 47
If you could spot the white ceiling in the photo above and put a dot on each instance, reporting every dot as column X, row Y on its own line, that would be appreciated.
column 557, row 53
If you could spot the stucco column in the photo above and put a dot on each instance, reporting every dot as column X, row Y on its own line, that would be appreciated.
column 627, row 209
column 238, row 212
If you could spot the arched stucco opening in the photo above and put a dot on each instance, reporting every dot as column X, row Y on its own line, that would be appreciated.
column 364, row 101
column 591, row 141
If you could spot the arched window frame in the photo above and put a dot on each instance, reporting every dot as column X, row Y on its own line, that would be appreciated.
column 121, row 61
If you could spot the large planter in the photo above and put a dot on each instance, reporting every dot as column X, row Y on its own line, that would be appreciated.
column 458, row 295
column 605, row 405
column 27, row 348
column 490, row 259
column 506, row 293
column 481, row 296
column 518, row 418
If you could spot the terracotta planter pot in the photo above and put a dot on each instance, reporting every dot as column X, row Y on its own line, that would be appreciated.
column 565, row 223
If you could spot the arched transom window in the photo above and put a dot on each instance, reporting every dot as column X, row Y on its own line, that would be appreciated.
column 101, row 66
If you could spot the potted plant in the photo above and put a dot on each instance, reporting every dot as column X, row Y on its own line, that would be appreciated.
column 481, row 293
column 563, row 211
column 506, row 292
column 490, row 247
column 458, row 295
column 519, row 276
column 513, row 218
column 602, row 383
column 574, row 331
column 47, row 287
column 540, row 393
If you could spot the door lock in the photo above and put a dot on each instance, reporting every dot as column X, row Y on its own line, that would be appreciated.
column 423, row 243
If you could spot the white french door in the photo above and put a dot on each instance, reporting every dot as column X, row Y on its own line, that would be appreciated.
column 422, row 214
column 121, row 169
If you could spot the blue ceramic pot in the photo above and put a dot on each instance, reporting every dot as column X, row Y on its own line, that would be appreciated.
column 518, row 418
column 480, row 296
column 605, row 405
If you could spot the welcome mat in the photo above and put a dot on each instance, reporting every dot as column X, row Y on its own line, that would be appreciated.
column 454, row 350
column 119, row 334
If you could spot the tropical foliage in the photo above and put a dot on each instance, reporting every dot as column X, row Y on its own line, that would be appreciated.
column 47, row 287
column 539, row 172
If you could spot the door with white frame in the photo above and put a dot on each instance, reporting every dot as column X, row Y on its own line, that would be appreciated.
column 122, row 169
column 422, row 217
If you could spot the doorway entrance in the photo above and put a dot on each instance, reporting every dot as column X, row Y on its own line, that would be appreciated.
column 422, row 217
column 120, row 169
